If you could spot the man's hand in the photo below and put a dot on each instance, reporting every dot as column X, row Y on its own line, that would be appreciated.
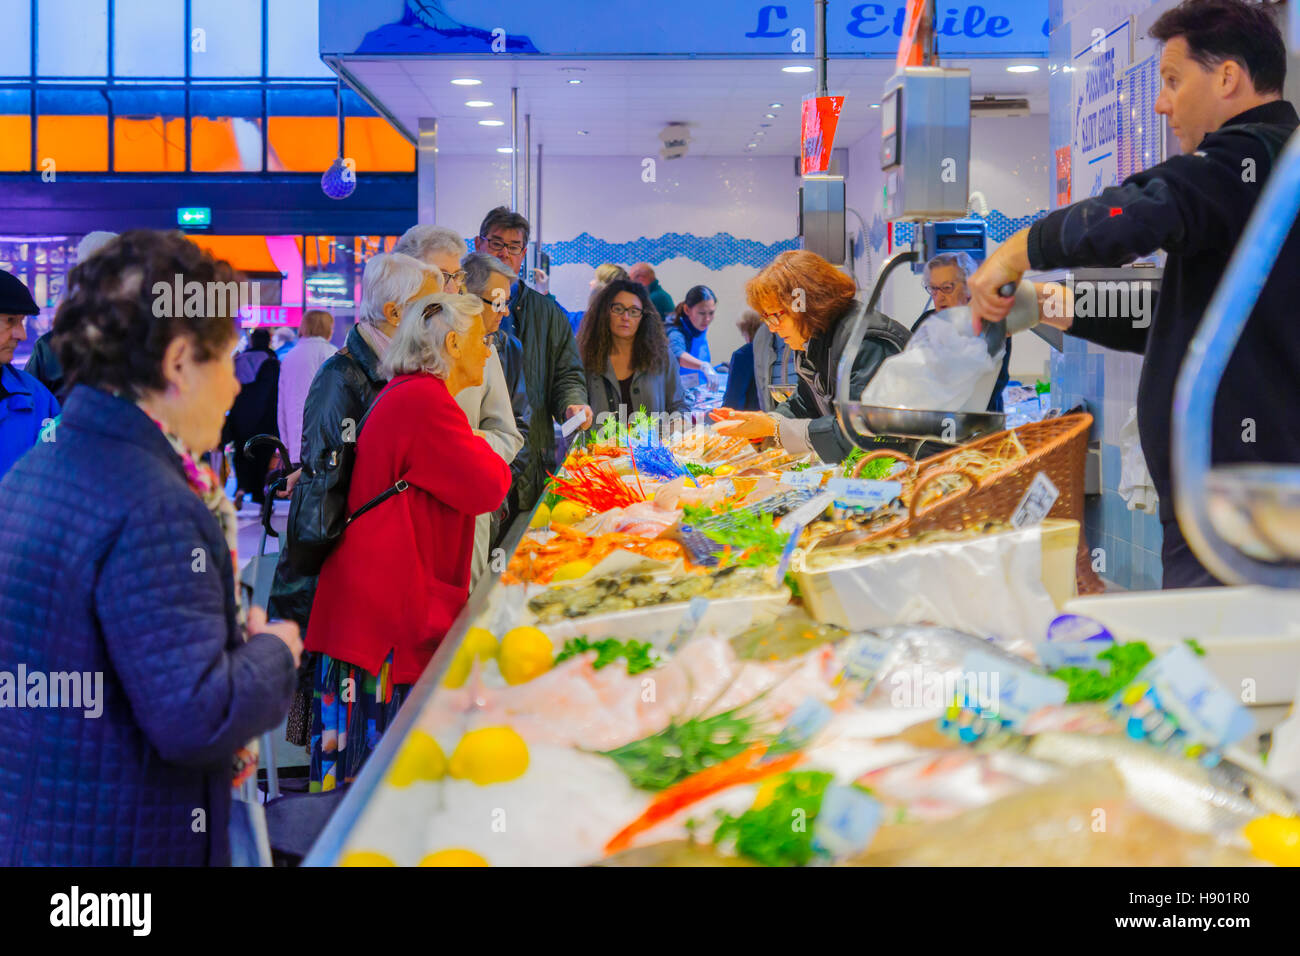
column 541, row 281
column 290, row 480
column 585, row 410
column 751, row 425
column 1007, row 264
column 286, row 631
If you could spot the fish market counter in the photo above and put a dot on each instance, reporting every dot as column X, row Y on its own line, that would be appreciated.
column 695, row 642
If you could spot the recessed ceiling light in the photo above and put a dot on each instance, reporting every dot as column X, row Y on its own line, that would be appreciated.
column 796, row 69
column 751, row 146
column 504, row 149
column 769, row 115
column 765, row 125
column 466, row 81
column 774, row 106
column 491, row 123
column 875, row 106
column 1023, row 68
column 574, row 82
column 584, row 132
column 478, row 104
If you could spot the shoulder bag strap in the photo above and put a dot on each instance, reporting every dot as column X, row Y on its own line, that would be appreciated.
column 395, row 489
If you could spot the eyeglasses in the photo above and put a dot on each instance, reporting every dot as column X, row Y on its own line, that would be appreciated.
column 457, row 277
column 948, row 288
column 618, row 308
column 497, row 245
column 773, row 319
column 490, row 339
column 494, row 305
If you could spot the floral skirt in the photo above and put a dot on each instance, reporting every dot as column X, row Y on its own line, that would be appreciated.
column 350, row 711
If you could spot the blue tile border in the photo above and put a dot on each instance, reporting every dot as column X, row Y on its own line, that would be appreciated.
column 713, row 252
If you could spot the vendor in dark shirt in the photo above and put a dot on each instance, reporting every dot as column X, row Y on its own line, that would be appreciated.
column 1222, row 66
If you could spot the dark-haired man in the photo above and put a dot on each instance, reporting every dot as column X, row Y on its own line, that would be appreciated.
column 1222, row 66
column 25, row 404
column 553, row 375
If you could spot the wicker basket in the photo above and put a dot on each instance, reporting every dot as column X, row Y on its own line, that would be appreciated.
column 1057, row 446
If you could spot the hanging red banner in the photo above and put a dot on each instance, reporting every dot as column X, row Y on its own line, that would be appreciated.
column 820, row 117
column 909, row 50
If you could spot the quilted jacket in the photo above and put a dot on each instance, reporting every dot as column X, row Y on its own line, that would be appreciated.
column 110, row 565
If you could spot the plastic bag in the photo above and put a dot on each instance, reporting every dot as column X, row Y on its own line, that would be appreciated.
column 945, row 367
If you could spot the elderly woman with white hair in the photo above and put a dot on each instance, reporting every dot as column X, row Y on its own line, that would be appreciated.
column 340, row 393
column 438, row 246
column 395, row 583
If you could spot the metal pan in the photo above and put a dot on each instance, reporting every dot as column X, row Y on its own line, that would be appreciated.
column 953, row 428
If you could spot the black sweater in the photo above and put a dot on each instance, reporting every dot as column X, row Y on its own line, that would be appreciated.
column 1195, row 207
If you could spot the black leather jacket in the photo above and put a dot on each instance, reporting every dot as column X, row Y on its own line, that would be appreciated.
column 340, row 394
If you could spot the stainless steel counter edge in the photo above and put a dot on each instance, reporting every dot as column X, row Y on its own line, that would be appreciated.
column 329, row 845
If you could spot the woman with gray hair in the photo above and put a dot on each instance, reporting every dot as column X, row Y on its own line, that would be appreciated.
column 340, row 393
column 400, row 575
column 438, row 246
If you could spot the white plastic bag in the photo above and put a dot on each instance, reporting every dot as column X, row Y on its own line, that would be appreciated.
column 945, row 367
column 1135, row 485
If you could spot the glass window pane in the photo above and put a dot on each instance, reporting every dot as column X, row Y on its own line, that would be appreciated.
column 71, row 131
column 148, row 38
column 375, row 146
column 226, row 130
column 293, row 49
column 72, row 38
column 15, row 131
column 148, row 131
column 302, row 144
column 226, row 38
column 16, row 38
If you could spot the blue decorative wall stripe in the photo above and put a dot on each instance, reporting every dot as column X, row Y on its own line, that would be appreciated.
column 713, row 252
column 999, row 227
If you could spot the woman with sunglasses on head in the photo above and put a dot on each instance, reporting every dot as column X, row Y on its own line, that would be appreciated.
column 812, row 305
column 625, row 353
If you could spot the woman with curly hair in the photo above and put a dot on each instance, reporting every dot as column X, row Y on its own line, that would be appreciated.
column 117, row 577
column 625, row 352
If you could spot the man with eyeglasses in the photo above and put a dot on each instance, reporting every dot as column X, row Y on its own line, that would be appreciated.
column 553, row 373
column 945, row 279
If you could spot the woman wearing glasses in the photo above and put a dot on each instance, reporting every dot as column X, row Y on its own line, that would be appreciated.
column 392, row 587
column 811, row 305
column 625, row 353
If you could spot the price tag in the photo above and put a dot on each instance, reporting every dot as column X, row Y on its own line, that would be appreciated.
column 846, row 822
column 994, row 695
column 1058, row 654
column 864, row 493
column 573, row 424
column 811, row 477
column 1176, row 703
column 690, row 623
column 1037, row 502
column 1074, row 628
column 801, row 726
column 862, row 656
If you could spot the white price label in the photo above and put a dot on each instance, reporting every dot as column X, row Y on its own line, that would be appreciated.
column 1037, row 502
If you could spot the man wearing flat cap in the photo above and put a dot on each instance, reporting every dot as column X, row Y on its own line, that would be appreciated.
column 25, row 404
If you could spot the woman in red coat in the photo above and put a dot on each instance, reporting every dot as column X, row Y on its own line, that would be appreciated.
column 391, row 589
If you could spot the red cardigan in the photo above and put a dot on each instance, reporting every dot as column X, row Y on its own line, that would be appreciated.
column 400, row 575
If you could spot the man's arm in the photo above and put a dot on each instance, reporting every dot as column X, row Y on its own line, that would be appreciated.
column 568, row 380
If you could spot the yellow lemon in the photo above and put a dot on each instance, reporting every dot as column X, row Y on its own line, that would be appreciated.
column 525, row 653
column 479, row 642
column 766, row 791
column 454, row 858
column 541, row 517
column 723, row 470
column 365, row 858
column 490, row 755
column 568, row 512
column 420, row 759
column 1275, row 839
column 571, row 571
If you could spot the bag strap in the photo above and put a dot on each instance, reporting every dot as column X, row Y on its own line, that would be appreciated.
column 395, row 489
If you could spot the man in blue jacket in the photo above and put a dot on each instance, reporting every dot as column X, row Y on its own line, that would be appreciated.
column 25, row 404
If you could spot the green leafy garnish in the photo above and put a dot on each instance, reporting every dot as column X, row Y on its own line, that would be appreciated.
column 681, row 749
column 879, row 469
column 780, row 833
column 1195, row 646
column 851, row 459
column 754, row 536
column 638, row 654
column 1126, row 660
column 801, row 466
column 697, row 470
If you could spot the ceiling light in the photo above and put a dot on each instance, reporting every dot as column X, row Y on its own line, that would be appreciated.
column 478, row 104
column 875, row 106
column 751, row 146
column 466, row 81
column 1023, row 68
column 504, row 149
column 765, row 125
column 774, row 106
column 574, row 82
column 584, row 132
column 796, row 69
column 769, row 115
column 491, row 123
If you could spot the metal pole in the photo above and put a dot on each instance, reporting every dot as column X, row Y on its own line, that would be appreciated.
column 819, row 44
column 514, row 148
column 528, row 179
column 537, row 226
column 426, row 171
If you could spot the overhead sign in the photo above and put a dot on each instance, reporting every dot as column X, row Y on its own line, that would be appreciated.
column 193, row 216
column 964, row 28
column 821, row 114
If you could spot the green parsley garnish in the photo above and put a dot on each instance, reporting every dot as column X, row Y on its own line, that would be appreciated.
column 780, row 833
column 681, row 749
column 638, row 654
column 1126, row 660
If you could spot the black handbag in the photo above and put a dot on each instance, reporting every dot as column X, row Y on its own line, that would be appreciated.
column 318, row 512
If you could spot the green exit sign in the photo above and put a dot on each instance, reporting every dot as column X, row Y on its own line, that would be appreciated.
column 194, row 216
